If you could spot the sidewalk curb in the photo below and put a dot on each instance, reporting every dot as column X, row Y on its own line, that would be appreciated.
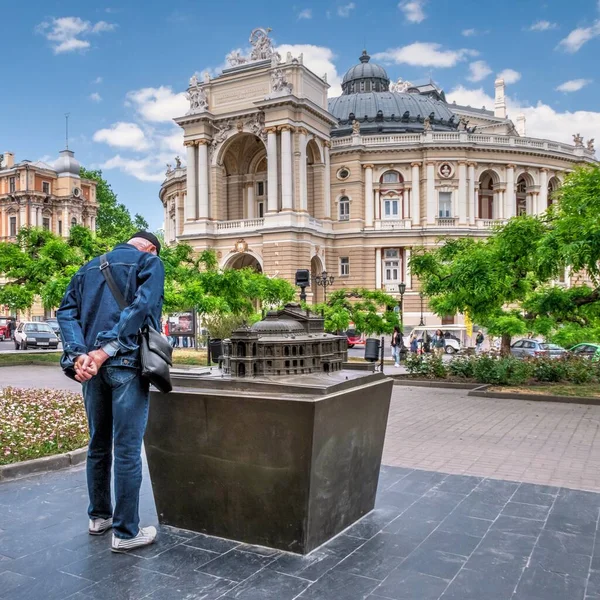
column 535, row 397
column 41, row 465
column 455, row 385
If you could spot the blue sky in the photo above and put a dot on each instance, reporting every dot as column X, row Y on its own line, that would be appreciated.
column 120, row 69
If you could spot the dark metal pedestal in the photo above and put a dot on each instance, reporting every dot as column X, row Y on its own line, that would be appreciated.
column 285, row 464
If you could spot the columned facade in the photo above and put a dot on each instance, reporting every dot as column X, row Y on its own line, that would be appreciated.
column 280, row 177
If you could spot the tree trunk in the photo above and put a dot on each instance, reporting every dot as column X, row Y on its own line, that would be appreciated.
column 505, row 345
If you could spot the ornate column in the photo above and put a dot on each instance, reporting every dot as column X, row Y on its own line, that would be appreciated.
column 32, row 216
column 203, row 208
column 416, row 193
column 368, row 195
column 327, row 180
column 302, row 173
column 176, row 216
column 462, row 193
column 510, row 202
column 189, row 213
column 543, row 197
column 287, row 172
column 377, row 205
column 272, row 199
column 66, row 222
column 22, row 216
column 378, row 268
column 250, row 200
column 406, row 203
column 431, row 208
column 407, row 273
column 471, row 194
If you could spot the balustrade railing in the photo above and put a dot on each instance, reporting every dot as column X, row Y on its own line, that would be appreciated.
column 241, row 224
column 446, row 222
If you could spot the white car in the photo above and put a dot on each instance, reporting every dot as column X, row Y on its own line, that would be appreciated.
column 33, row 334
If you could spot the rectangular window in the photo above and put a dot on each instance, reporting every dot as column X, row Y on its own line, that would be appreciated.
column 12, row 184
column 46, row 224
column 261, row 210
column 344, row 266
column 445, row 203
column 260, row 188
column 390, row 208
column 391, row 266
column 45, row 187
column 344, row 209
column 13, row 226
column 59, row 227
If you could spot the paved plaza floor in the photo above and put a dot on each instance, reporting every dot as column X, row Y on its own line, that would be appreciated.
column 480, row 500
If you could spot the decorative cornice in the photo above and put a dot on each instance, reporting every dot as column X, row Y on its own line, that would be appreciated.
column 203, row 142
column 284, row 128
column 189, row 143
column 511, row 166
column 269, row 130
column 301, row 130
column 415, row 164
column 544, row 170
column 368, row 166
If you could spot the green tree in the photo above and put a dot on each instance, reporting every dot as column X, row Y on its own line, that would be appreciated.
column 113, row 221
column 371, row 311
column 505, row 281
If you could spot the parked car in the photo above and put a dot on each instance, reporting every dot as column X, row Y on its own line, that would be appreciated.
column 4, row 328
column 31, row 334
column 533, row 348
column 53, row 322
column 355, row 338
column 591, row 351
column 452, row 335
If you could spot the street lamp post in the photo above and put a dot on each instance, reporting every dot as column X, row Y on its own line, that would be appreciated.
column 402, row 290
column 421, row 322
column 324, row 281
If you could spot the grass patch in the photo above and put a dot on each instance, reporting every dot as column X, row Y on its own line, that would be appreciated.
column 588, row 390
column 40, row 422
column 185, row 356
column 35, row 358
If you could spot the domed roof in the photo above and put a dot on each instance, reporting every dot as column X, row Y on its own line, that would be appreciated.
column 365, row 71
column 67, row 165
column 390, row 112
column 278, row 327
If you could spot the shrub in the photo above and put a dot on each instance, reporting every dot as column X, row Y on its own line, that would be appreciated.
column 484, row 369
column 549, row 370
column 579, row 370
column 513, row 371
column 429, row 366
column 462, row 366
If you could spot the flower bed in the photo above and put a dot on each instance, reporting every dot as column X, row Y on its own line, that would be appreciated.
column 508, row 370
column 36, row 423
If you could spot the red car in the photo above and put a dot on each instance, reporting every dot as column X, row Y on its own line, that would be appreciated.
column 355, row 338
column 3, row 328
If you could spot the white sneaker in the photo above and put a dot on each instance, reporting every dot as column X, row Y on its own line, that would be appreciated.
column 99, row 526
column 145, row 536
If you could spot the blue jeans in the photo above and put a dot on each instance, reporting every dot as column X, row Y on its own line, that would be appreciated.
column 396, row 354
column 116, row 403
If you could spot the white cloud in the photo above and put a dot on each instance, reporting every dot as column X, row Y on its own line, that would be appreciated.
column 95, row 97
column 158, row 105
column 509, row 76
column 123, row 135
column 542, row 120
column 479, row 70
column 573, row 85
column 150, row 168
column 543, row 26
column 469, row 32
column 97, row 81
column 305, row 14
column 413, row 10
column 67, row 34
column 319, row 59
column 172, row 142
column 578, row 37
column 425, row 54
column 344, row 10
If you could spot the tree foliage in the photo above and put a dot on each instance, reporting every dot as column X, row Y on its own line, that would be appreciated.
column 113, row 222
column 371, row 311
column 505, row 282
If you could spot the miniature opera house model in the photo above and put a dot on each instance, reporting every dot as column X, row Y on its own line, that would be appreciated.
column 287, row 342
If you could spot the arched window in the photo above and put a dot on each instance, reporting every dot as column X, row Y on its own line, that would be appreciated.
column 391, row 177
column 344, row 208
column 73, row 221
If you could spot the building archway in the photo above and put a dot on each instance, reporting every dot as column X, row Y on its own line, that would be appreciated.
column 553, row 185
column 523, row 194
column 243, row 260
column 488, row 202
column 315, row 179
column 240, row 181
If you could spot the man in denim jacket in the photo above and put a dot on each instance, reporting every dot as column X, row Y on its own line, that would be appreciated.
column 101, row 345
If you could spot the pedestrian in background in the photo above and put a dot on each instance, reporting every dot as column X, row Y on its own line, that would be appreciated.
column 396, row 345
column 479, row 342
column 413, row 343
column 438, row 342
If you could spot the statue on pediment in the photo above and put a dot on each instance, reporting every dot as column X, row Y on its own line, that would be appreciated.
column 578, row 139
column 590, row 144
column 196, row 97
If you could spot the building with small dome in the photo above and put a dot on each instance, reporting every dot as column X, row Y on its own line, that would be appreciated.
column 289, row 341
column 278, row 177
column 37, row 194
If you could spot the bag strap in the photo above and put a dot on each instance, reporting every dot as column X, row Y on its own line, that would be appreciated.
column 110, row 281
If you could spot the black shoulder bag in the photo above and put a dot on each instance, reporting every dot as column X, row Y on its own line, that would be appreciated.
column 155, row 351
